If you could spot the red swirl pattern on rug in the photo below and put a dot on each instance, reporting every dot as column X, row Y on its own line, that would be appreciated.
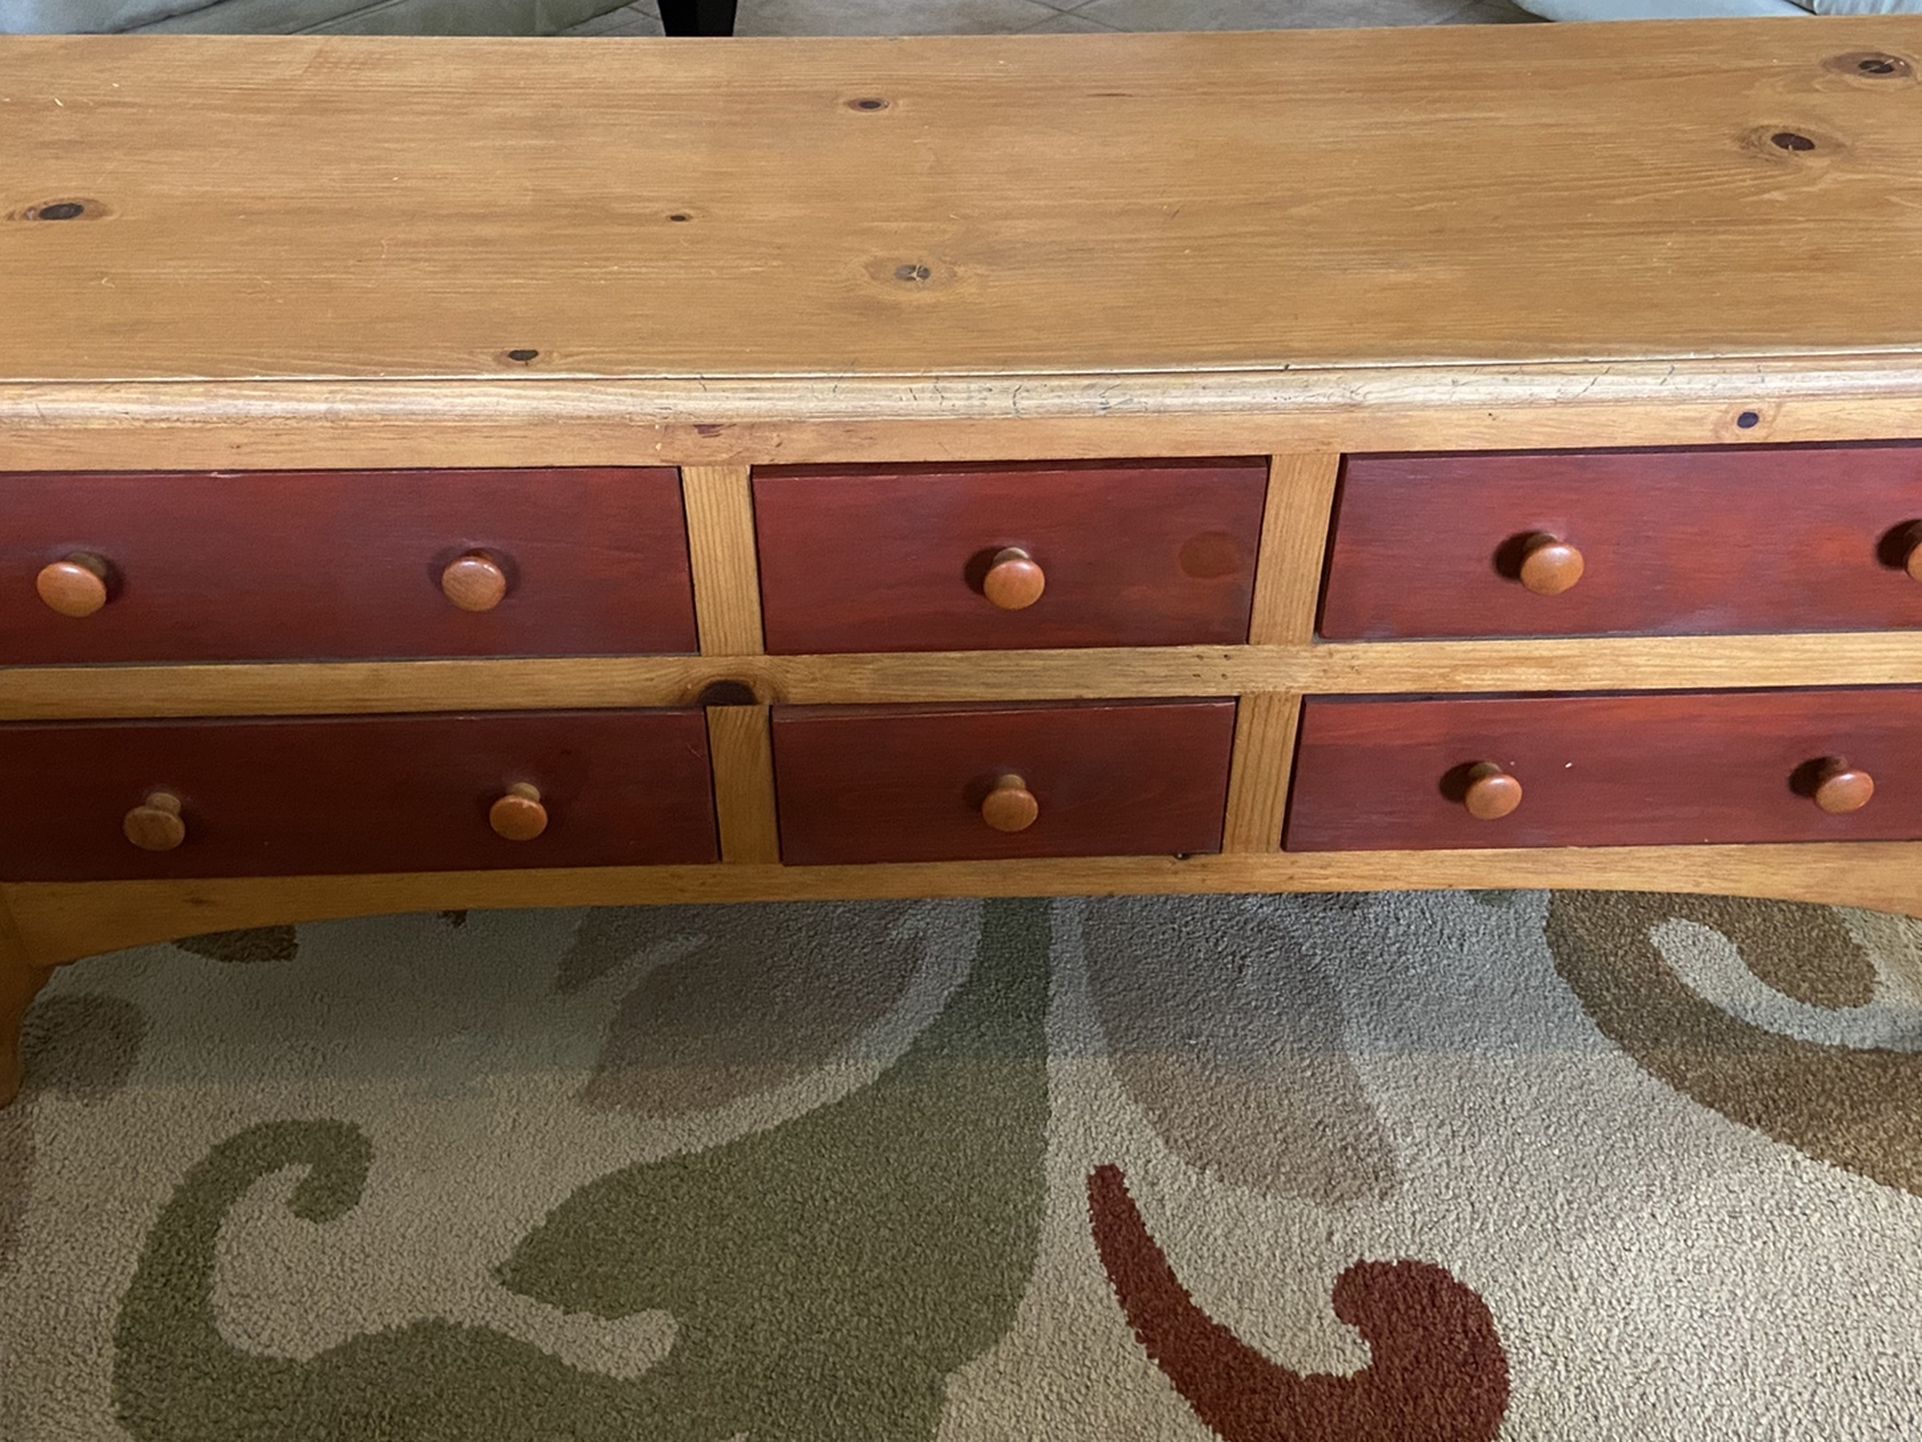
column 1438, row 1374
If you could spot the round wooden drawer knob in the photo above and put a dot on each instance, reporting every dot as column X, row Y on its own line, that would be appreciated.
column 1015, row 580
column 1912, row 553
column 1492, row 793
column 156, row 824
column 1010, row 806
column 74, row 587
column 475, row 582
column 519, row 815
column 1841, row 788
column 1550, row 565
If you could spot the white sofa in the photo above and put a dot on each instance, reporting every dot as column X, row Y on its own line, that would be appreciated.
column 1706, row 9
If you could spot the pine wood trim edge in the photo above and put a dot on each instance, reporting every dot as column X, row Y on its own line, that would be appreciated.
column 61, row 922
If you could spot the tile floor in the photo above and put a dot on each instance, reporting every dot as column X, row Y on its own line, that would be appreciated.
column 983, row 17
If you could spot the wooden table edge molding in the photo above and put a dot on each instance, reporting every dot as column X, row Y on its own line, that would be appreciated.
column 747, row 420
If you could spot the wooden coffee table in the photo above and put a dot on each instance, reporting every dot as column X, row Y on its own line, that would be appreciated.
column 1476, row 457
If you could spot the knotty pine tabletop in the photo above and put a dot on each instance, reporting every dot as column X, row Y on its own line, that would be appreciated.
column 270, row 208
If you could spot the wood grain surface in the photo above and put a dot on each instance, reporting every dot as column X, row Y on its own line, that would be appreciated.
column 1294, row 536
column 279, row 565
column 646, row 421
column 1265, row 726
column 1679, row 770
column 272, row 798
column 895, row 558
column 720, row 533
column 1294, row 542
column 1021, row 204
column 743, row 758
column 1786, row 538
column 907, row 784
column 1858, row 658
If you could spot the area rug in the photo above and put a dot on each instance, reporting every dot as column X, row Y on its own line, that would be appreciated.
column 1394, row 1168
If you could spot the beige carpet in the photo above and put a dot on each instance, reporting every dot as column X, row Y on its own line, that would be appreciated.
column 1401, row 1168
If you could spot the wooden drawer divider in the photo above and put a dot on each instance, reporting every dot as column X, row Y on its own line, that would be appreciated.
column 727, row 609
column 1294, row 539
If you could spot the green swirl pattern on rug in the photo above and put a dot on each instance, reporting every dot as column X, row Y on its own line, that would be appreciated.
column 1858, row 1107
column 825, row 1276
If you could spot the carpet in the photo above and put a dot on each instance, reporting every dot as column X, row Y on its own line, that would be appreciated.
column 1421, row 1168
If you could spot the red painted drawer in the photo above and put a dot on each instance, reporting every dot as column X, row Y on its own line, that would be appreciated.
column 284, row 565
column 912, row 783
column 354, row 794
column 896, row 558
column 1668, row 769
column 1788, row 538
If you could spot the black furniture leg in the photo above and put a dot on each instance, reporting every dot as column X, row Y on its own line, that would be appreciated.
column 698, row 17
